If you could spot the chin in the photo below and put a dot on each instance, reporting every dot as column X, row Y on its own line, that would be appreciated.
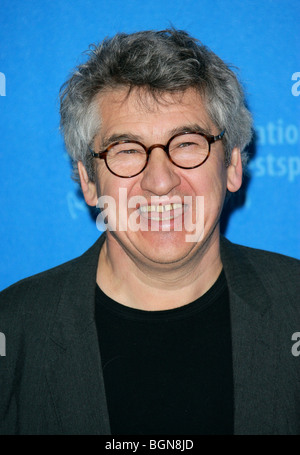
column 165, row 247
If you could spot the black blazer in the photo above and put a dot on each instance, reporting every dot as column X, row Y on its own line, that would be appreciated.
column 51, row 379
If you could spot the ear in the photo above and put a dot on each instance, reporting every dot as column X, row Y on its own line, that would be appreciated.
column 235, row 171
column 88, row 188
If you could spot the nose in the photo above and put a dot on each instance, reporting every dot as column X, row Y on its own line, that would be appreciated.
column 160, row 176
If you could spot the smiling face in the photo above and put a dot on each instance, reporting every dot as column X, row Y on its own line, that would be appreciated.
column 164, row 200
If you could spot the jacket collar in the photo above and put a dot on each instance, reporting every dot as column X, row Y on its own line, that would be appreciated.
column 253, row 341
column 73, row 368
column 76, row 306
column 242, row 277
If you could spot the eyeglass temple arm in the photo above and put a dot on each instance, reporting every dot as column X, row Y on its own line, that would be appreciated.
column 98, row 155
column 217, row 138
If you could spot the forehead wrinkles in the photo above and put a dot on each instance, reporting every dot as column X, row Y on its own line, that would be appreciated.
column 126, row 105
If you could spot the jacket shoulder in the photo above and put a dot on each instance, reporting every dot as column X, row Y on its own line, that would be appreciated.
column 40, row 294
column 43, row 282
column 29, row 306
column 277, row 273
column 268, row 257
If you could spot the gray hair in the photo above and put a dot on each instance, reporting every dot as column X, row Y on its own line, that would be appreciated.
column 167, row 61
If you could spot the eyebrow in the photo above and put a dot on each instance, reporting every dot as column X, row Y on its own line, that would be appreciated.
column 192, row 128
column 119, row 137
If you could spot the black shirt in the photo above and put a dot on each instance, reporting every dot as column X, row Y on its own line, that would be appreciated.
column 168, row 372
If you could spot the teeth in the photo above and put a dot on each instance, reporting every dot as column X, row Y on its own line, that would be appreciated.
column 177, row 206
column 160, row 208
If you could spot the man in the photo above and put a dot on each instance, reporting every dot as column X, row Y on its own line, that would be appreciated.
column 163, row 326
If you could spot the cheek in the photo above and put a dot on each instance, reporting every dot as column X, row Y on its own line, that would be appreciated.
column 204, row 184
column 117, row 188
column 107, row 183
column 215, row 194
column 211, row 184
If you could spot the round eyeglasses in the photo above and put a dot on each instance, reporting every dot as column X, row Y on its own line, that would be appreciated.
column 186, row 150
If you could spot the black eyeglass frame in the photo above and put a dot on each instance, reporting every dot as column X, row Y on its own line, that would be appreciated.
column 210, row 139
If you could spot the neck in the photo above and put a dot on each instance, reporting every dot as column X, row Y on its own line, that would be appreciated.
column 152, row 287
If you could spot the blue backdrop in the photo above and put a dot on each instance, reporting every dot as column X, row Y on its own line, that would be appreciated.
column 44, row 221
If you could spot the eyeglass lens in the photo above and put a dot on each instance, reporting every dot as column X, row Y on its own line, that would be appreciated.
column 129, row 158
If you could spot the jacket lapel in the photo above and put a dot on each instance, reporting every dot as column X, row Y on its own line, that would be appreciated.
column 74, row 372
column 254, row 362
